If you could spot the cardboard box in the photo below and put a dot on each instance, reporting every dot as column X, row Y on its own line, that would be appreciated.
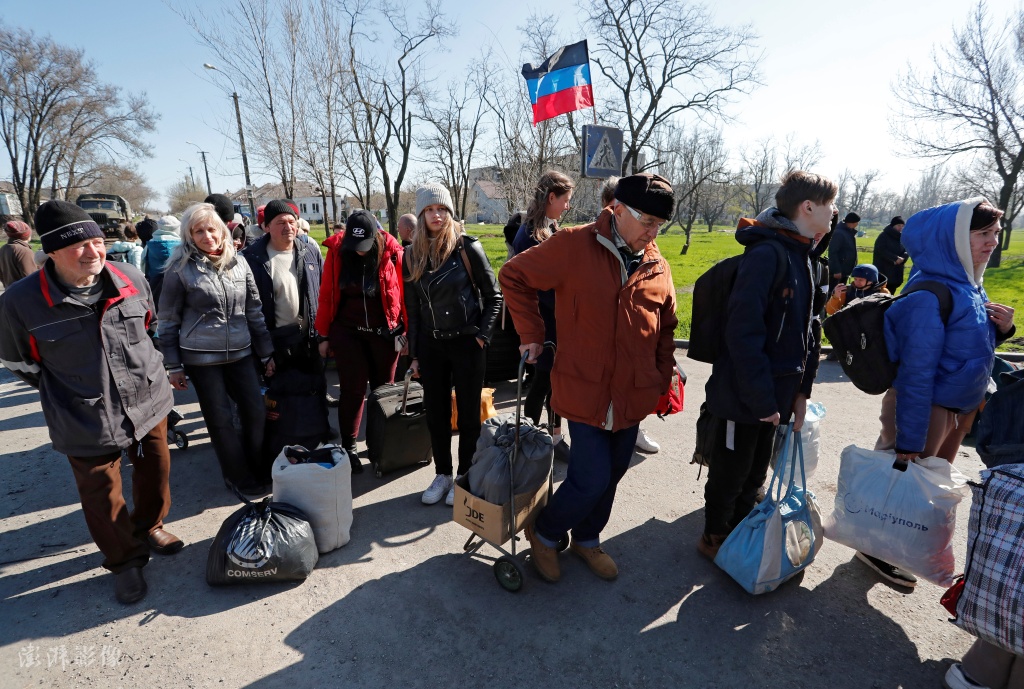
column 490, row 521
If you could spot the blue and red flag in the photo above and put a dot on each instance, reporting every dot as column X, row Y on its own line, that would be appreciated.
column 561, row 83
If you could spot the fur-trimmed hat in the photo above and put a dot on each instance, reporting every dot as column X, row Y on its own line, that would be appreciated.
column 434, row 195
column 223, row 205
column 647, row 193
column 61, row 224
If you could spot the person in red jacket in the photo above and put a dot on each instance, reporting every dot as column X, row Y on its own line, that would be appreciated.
column 615, row 312
column 361, row 316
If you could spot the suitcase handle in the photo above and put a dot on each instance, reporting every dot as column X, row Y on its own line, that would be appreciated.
column 405, row 391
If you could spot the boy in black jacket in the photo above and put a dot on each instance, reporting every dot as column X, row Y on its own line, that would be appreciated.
column 772, row 347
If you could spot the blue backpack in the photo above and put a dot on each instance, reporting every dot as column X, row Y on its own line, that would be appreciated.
column 157, row 254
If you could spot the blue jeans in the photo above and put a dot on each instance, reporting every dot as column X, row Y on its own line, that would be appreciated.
column 216, row 387
column 598, row 460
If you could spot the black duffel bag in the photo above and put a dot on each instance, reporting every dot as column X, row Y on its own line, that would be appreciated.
column 263, row 541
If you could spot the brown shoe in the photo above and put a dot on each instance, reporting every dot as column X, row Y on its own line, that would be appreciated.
column 708, row 545
column 544, row 559
column 600, row 562
column 129, row 586
column 164, row 543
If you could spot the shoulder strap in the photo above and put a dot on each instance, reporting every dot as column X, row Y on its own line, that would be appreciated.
column 941, row 292
column 465, row 262
column 781, row 264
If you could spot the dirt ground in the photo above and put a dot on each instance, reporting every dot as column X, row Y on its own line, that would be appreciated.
column 401, row 606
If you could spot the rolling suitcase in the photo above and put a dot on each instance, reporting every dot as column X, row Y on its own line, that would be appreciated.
column 396, row 427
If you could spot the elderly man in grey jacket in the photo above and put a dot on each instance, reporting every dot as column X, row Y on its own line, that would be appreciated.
column 77, row 331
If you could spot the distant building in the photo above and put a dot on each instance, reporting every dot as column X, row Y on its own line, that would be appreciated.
column 305, row 195
column 490, row 200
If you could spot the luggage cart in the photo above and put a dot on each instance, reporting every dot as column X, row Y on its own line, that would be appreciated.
column 508, row 568
column 175, row 437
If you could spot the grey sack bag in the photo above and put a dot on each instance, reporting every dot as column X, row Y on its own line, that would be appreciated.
column 489, row 475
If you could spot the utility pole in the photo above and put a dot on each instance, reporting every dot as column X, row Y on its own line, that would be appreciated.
column 209, row 187
column 241, row 142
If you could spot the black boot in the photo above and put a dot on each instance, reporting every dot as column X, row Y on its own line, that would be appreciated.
column 349, row 444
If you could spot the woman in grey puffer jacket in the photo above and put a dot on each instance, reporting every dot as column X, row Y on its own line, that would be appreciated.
column 211, row 325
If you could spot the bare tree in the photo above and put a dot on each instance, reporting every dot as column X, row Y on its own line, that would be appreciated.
column 797, row 156
column 861, row 184
column 971, row 102
column 664, row 58
column 387, row 95
column 55, row 112
column 714, row 202
column 760, row 175
column 263, row 72
column 454, row 130
column 183, row 194
column 693, row 161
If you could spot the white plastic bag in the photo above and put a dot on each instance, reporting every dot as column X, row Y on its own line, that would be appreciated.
column 810, row 438
column 324, row 494
column 906, row 518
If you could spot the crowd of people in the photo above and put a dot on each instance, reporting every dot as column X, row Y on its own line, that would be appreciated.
column 105, row 327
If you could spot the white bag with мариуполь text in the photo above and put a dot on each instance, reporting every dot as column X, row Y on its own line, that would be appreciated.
column 901, row 512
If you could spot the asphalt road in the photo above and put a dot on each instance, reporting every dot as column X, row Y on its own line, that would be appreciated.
column 401, row 606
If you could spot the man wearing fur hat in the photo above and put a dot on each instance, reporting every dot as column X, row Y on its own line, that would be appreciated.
column 16, row 256
column 77, row 331
column 615, row 313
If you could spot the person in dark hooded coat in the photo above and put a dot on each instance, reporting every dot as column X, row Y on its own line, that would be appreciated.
column 889, row 256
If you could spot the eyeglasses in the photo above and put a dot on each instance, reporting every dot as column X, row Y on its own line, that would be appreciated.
column 651, row 223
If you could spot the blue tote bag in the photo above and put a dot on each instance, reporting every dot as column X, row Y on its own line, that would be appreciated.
column 780, row 536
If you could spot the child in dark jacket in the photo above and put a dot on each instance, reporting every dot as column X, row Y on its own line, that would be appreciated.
column 864, row 281
column 766, row 371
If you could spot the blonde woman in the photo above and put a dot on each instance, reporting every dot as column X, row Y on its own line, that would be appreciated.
column 211, row 325
column 451, row 312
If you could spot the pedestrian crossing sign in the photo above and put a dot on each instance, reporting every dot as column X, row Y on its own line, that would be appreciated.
column 602, row 151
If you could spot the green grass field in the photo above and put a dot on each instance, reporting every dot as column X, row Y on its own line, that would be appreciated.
column 1004, row 284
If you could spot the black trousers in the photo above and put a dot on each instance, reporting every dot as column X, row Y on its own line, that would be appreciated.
column 457, row 362
column 539, row 398
column 736, row 471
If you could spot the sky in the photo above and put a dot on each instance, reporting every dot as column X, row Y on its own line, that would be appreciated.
column 826, row 75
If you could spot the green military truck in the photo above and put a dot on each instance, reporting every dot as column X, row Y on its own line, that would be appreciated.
column 108, row 210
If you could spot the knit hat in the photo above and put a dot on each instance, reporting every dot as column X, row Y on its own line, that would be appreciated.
column 898, row 220
column 16, row 229
column 225, row 208
column 866, row 271
column 169, row 223
column 647, row 193
column 360, row 231
column 434, row 195
column 61, row 224
column 851, row 217
column 276, row 208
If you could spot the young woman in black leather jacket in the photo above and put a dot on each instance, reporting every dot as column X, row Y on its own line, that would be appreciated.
column 452, row 301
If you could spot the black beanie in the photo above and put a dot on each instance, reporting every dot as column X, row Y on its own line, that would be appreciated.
column 145, row 229
column 225, row 209
column 898, row 220
column 851, row 217
column 61, row 224
column 651, row 194
column 276, row 208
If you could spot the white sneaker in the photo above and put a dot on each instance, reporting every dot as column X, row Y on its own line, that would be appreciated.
column 956, row 679
column 440, row 485
column 450, row 498
column 645, row 444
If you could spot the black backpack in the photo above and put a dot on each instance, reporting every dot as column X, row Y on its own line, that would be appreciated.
column 711, row 301
column 118, row 256
column 857, row 334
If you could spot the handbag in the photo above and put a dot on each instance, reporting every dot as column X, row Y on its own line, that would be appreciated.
column 780, row 536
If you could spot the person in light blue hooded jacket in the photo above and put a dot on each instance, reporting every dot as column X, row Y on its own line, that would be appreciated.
column 944, row 368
